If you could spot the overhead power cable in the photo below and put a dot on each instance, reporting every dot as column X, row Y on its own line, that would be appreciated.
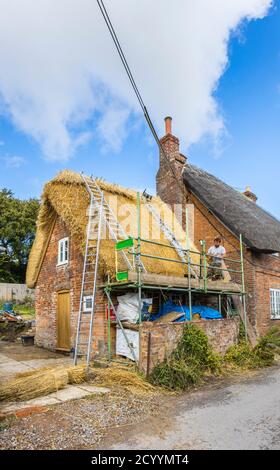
column 132, row 81
column 146, row 113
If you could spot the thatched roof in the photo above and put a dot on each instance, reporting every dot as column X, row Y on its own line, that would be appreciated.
column 66, row 196
column 260, row 230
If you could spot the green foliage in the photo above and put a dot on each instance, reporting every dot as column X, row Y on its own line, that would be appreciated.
column 271, row 340
column 241, row 335
column 263, row 354
column 27, row 312
column 241, row 355
column 194, row 358
column 268, row 346
column 28, row 301
column 188, row 363
column 17, row 231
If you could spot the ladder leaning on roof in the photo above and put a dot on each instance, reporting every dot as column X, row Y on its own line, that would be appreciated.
column 169, row 235
column 83, row 343
column 99, row 211
column 115, row 229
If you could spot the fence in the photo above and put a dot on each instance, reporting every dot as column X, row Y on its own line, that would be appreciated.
column 15, row 292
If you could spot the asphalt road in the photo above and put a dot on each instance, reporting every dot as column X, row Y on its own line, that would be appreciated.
column 240, row 415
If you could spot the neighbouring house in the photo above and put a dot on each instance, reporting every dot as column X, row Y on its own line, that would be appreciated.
column 220, row 209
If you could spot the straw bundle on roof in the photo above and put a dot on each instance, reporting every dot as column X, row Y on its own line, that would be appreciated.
column 66, row 196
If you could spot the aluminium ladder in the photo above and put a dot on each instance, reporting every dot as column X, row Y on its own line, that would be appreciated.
column 169, row 235
column 89, row 279
column 115, row 229
column 83, row 343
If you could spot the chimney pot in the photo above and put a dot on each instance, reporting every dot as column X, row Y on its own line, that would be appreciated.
column 249, row 194
column 168, row 125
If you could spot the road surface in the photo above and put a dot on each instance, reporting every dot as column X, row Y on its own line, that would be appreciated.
column 240, row 415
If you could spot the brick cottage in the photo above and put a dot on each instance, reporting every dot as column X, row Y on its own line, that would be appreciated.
column 56, row 261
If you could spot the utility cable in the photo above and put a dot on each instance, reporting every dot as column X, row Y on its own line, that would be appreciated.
column 147, row 116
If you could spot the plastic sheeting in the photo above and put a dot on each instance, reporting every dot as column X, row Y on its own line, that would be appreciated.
column 122, row 348
column 128, row 306
column 206, row 313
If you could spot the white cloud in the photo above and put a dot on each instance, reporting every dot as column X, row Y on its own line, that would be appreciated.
column 14, row 161
column 59, row 70
column 111, row 127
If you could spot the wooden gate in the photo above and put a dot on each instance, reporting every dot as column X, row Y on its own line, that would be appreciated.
column 63, row 321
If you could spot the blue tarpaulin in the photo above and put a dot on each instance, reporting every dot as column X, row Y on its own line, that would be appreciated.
column 206, row 313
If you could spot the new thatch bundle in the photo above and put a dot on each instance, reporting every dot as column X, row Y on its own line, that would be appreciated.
column 66, row 196
column 77, row 374
column 40, row 382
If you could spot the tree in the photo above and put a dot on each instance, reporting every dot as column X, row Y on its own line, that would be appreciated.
column 17, row 232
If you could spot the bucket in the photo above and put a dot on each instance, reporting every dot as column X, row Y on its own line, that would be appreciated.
column 8, row 306
column 27, row 340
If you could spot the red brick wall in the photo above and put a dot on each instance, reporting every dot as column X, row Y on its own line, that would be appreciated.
column 166, row 180
column 51, row 280
column 164, row 337
column 267, row 275
column 206, row 227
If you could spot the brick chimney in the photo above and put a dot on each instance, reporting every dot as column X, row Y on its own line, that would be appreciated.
column 250, row 195
column 167, row 183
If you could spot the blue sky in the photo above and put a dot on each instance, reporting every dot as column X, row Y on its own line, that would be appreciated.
column 248, row 152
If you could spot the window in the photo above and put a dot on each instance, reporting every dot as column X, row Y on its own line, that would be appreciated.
column 63, row 251
column 275, row 303
column 87, row 303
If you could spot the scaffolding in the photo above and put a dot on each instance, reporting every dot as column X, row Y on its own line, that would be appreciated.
column 140, row 281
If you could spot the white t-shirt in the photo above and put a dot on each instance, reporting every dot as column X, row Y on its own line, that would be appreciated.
column 216, row 251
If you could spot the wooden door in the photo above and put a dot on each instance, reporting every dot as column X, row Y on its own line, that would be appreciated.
column 63, row 320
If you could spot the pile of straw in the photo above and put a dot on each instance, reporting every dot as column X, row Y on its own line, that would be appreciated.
column 41, row 382
column 119, row 376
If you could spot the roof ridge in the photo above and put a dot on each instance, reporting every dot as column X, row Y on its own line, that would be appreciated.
column 235, row 190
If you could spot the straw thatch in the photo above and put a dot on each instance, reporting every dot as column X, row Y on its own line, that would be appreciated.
column 260, row 230
column 40, row 382
column 123, row 377
column 66, row 197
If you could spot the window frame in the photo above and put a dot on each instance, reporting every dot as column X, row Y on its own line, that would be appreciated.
column 85, row 298
column 61, row 245
column 274, row 303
